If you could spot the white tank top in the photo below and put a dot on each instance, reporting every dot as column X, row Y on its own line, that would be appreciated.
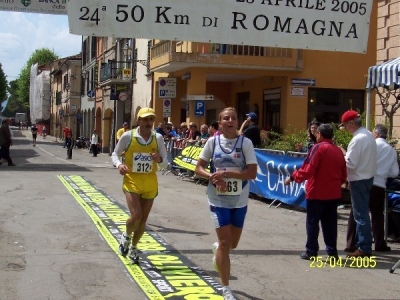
column 229, row 156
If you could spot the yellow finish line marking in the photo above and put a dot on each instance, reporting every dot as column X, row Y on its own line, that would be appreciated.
column 163, row 272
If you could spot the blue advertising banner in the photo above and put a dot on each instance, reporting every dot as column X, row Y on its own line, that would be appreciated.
column 272, row 171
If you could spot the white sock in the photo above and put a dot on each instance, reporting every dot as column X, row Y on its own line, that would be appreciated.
column 224, row 288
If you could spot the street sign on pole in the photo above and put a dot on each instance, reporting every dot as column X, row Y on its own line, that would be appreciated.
column 199, row 108
column 90, row 93
column 167, row 87
column 200, row 97
column 303, row 81
column 123, row 96
column 166, row 108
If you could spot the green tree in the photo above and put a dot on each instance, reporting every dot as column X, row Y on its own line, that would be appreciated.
column 3, row 85
column 40, row 56
column 390, row 101
column 14, row 104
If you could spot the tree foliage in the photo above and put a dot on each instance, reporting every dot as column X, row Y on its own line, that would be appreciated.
column 14, row 104
column 289, row 140
column 3, row 85
column 390, row 101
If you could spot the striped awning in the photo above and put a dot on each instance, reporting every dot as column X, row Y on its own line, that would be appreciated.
column 384, row 74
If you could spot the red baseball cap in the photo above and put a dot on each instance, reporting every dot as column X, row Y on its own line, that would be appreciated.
column 349, row 115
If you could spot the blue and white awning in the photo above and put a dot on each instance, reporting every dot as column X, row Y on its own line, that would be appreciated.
column 384, row 74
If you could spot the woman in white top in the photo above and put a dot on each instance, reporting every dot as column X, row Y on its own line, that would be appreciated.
column 233, row 163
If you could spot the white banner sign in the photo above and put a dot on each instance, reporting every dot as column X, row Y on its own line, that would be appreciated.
column 55, row 7
column 334, row 25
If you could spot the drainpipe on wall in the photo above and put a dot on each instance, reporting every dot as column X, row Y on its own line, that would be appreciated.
column 133, row 122
column 112, row 142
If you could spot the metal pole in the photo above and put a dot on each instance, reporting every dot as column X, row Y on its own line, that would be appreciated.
column 368, row 111
column 114, row 121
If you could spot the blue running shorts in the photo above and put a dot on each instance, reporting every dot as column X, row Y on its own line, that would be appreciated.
column 222, row 216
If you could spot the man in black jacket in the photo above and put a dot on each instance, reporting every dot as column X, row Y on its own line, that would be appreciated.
column 5, row 142
column 250, row 129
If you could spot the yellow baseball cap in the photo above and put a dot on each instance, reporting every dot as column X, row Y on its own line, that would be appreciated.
column 145, row 112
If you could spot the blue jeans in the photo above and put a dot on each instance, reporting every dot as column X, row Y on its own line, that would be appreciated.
column 360, row 191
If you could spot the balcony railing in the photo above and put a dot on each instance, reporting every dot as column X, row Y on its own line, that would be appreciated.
column 214, row 53
column 113, row 70
column 164, row 47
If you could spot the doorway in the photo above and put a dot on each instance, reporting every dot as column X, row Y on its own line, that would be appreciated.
column 272, row 109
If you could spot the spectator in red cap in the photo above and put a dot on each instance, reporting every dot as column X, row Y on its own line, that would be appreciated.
column 361, row 163
column 387, row 166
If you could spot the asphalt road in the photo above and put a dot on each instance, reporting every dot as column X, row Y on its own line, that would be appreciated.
column 50, row 249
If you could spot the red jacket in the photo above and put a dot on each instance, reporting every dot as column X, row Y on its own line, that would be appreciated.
column 66, row 131
column 325, row 171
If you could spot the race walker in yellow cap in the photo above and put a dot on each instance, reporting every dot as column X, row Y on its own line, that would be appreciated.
column 144, row 150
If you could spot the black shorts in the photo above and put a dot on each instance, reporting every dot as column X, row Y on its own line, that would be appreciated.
column 34, row 136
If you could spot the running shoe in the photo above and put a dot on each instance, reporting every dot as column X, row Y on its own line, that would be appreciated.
column 133, row 255
column 214, row 260
column 215, row 247
column 227, row 293
column 124, row 243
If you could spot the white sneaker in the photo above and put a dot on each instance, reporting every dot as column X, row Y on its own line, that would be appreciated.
column 124, row 243
column 227, row 293
column 133, row 255
column 214, row 260
column 215, row 247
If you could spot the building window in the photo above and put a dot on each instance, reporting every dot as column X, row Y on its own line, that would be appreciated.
column 242, row 105
column 328, row 105
column 65, row 79
column 272, row 110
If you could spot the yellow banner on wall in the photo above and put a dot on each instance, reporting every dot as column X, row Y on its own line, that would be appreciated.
column 188, row 158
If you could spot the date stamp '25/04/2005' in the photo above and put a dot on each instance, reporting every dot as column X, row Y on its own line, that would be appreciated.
column 339, row 262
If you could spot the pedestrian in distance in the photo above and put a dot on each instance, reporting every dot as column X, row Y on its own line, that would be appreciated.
column 325, row 171
column 66, row 131
column 144, row 150
column 44, row 131
column 93, row 143
column 70, row 145
column 120, row 132
column 361, row 162
column 34, row 131
column 233, row 164
column 387, row 166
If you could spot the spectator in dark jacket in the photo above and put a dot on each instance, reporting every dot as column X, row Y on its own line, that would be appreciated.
column 325, row 171
column 69, row 141
column 250, row 129
column 5, row 142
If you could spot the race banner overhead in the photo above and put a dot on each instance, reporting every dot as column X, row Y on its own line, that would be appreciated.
column 334, row 25
column 54, row 7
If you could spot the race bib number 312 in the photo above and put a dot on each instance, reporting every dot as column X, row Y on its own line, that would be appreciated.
column 142, row 163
